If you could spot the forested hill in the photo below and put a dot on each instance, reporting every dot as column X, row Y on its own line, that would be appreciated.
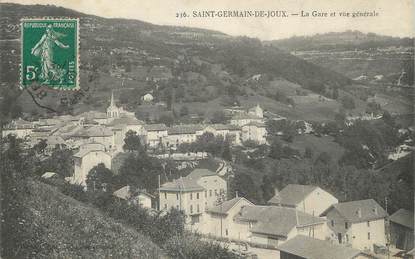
column 347, row 40
column 241, row 57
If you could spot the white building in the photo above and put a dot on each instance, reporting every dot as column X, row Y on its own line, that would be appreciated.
column 272, row 226
column 360, row 224
column 147, row 97
column 19, row 128
column 134, row 196
column 113, row 111
column 89, row 155
column 155, row 135
column 193, row 194
column 307, row 198
column 220, row 222
column 254, row 131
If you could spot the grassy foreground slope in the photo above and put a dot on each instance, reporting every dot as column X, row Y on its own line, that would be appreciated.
column 67, row 228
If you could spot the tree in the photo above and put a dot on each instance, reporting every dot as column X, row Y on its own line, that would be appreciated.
column 99, row 178
column 226, row 153
column 140, row 170
column 40, row 146
column 276, row 151
column 184, row 111
column 323, row 158
column 308, row 153
column 348, row 102
column 60, row 162
column 132, row 141
column 268, row 190
column 218, row 117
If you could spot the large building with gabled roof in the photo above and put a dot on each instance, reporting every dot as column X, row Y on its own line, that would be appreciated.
column 193, row 194
column 307, row 198
column 360, row 224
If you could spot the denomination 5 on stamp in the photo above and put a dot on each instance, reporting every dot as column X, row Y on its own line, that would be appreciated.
column 50, row 49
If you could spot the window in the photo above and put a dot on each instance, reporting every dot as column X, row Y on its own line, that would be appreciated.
column 165, row 195
column 191, row 196
column 191, row 208
column 368, row 224
column 177, row 206
column 332, row 223
column 346, row 226
column 165, row 206
column 210, row 193
column 226, row 232
column 347, row 238
column 197, row 195
column 216, row 192
column 368, row 235
column 177, row 196
column 198, row 208
column 206, row 194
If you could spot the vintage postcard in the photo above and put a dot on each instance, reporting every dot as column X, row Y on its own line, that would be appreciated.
column 207, row 129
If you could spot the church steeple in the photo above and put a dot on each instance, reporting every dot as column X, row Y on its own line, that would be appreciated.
column 112, row 99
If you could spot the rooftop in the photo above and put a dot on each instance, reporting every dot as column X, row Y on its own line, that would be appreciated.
column 292, row 194
column 245, row 116
column 276, row 221
column 311, row 248
column 188, row 183
column 155, row 127
column 227, row 205
column 369, row 210
column 185, row 129
column 403, row 217
column 127, row 192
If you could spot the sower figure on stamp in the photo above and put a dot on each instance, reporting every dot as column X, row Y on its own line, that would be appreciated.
column 44, row 49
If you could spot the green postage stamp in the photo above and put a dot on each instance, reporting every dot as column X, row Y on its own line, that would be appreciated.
column 50, row 53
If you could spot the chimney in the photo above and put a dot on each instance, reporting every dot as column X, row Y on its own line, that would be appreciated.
column 359, row 212
column 375, row 210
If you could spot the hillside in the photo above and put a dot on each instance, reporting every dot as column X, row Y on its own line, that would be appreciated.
column 366, row 57
column 56, row 226
column 204, row 64
column 347, row 40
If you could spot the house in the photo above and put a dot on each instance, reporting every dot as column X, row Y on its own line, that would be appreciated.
column 245, row 118
column 271, row 226
column 49, row 175
column 303, row 247
column 179, row 134
column 307, row 198
column 402, row 229
column 220, row 218
column 147, row 97
column 155, row 134
column 134, row 196
column 194, row 193
column 360, row 224
column 99, row 117
column 19, row 128
column 98, row 134
column 254, row 131
column 120, row 126
column 86, row 158
column 256, row 111
column 227, row 131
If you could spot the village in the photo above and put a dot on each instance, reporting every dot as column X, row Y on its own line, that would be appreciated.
column 297, row 221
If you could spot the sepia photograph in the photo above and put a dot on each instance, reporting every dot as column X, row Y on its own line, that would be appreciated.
column 207, row 129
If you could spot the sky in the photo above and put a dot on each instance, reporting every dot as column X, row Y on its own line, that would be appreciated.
column 395, row 17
